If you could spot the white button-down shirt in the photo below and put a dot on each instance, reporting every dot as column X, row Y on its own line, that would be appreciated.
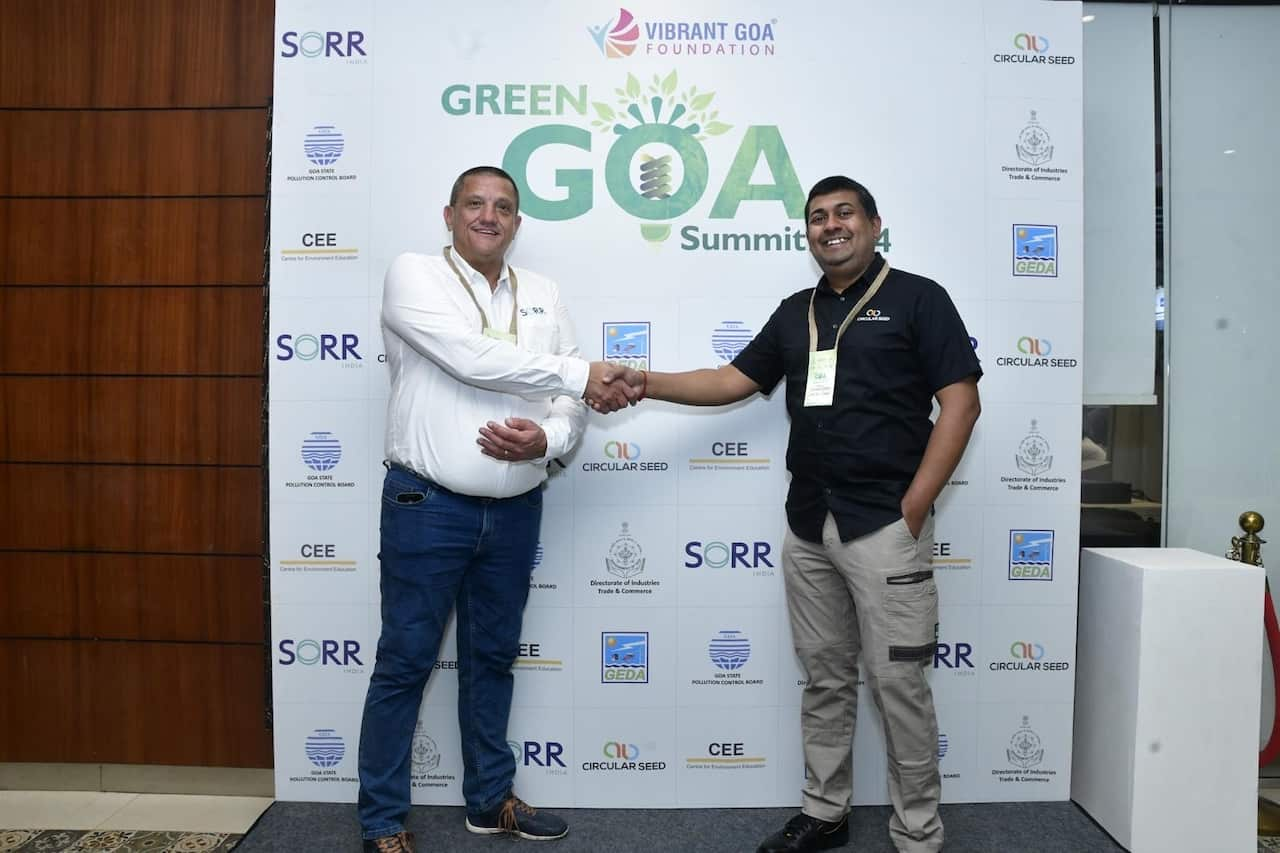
column 448, row 379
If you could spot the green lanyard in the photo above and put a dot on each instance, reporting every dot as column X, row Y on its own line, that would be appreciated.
column 511, row 336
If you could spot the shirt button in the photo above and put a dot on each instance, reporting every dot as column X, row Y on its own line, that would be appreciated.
column 842, row 299
column 827, row 490
column 834, row 326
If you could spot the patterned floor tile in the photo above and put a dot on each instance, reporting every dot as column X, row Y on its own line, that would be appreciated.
column 12, row 839
column 114, row 841
column 201, row 842
column 150, row 842
column 100, row 841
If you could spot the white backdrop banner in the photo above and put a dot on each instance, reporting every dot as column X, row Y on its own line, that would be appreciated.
column 663, row 152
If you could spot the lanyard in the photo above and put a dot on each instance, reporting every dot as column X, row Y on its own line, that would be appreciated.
column 515, row 306
column 866, row 297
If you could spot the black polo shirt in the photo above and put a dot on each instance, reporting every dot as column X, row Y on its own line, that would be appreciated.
column 856, row 457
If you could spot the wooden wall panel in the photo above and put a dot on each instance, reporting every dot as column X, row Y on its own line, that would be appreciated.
column 131, row 703
column 140, row 420
column 131, row 597
column 38, row 717
column 188, row 152
column 118, row 508
column 132, row 241
column 132, row 229
column 137, row 53
column 136, row 330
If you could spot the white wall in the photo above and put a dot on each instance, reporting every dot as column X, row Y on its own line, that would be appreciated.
column 1120, row 205
column 1220, row 75
column 1224, row 303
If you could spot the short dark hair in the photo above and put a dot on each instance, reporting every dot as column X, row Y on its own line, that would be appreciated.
column 483, row 170
column 836, row 183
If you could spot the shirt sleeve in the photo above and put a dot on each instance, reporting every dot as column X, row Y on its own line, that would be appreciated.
column 568, row 417
column 415, row 307
column 761, row 360
column 945, row 348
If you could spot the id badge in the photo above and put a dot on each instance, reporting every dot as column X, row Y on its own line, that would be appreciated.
column 820, row 387
column 491, row 332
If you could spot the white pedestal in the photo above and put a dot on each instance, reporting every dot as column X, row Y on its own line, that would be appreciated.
column 1168, row 687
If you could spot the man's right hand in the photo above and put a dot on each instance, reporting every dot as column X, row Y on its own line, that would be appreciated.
column 611, row 387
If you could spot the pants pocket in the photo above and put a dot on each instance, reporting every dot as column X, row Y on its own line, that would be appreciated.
column 911, row 616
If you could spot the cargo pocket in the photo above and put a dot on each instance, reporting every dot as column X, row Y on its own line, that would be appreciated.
column 911, row 616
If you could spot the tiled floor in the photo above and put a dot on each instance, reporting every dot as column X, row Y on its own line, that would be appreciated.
column 105, row 811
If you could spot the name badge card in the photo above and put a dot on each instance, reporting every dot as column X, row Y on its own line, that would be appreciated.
column 820, row 387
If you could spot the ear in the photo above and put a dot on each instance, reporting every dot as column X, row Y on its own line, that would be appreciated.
column 875, row 227
column 515, row 224
column 448, row 217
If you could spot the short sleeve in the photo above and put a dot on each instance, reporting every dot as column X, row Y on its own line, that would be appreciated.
column 946, row 350
column 761, row 360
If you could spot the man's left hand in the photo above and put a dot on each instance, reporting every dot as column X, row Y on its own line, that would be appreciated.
column 518, row 441
column 914, row 517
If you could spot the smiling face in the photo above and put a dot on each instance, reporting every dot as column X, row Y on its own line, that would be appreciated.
column 841, row 236
column 483, row 221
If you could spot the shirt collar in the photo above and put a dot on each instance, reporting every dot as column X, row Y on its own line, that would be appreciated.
column 477, row 279
column 863, row 282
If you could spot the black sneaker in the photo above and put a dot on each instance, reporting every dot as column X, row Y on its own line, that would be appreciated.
column 513, row 816
column 401, row 842
column 803, row 833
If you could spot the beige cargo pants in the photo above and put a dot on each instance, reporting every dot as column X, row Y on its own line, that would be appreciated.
column 871, row 601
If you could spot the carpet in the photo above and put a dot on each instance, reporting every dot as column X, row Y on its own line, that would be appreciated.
column 980, row 828
column 113, row 841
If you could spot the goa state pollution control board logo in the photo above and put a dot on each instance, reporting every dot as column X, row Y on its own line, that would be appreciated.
column 729, row 650
column 325, row 748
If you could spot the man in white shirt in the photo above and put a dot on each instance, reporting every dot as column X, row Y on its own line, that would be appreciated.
column 486, row 387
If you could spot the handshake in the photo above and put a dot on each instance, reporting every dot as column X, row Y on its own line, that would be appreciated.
column 611, row 387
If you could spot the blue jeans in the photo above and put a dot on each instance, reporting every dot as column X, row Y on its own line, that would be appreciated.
column 440, row 549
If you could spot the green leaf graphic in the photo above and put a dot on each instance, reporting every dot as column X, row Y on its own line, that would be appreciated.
column 702, row 101
column 633, row 86
column 716, row 128
column 669, row 84
column 605, row 111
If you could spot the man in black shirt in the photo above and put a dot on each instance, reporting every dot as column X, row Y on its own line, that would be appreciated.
column 864, row 354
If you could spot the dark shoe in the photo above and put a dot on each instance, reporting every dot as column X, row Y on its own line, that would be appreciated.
column 803, row 833
column 513, row 816
column 401, row 842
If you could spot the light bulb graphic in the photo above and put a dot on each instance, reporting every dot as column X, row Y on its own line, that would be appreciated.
column 655, row 183
column 657, row 167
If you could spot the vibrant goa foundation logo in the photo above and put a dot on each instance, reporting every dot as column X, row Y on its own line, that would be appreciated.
column 656, row 168
column 617, row 37
column 620, row 36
